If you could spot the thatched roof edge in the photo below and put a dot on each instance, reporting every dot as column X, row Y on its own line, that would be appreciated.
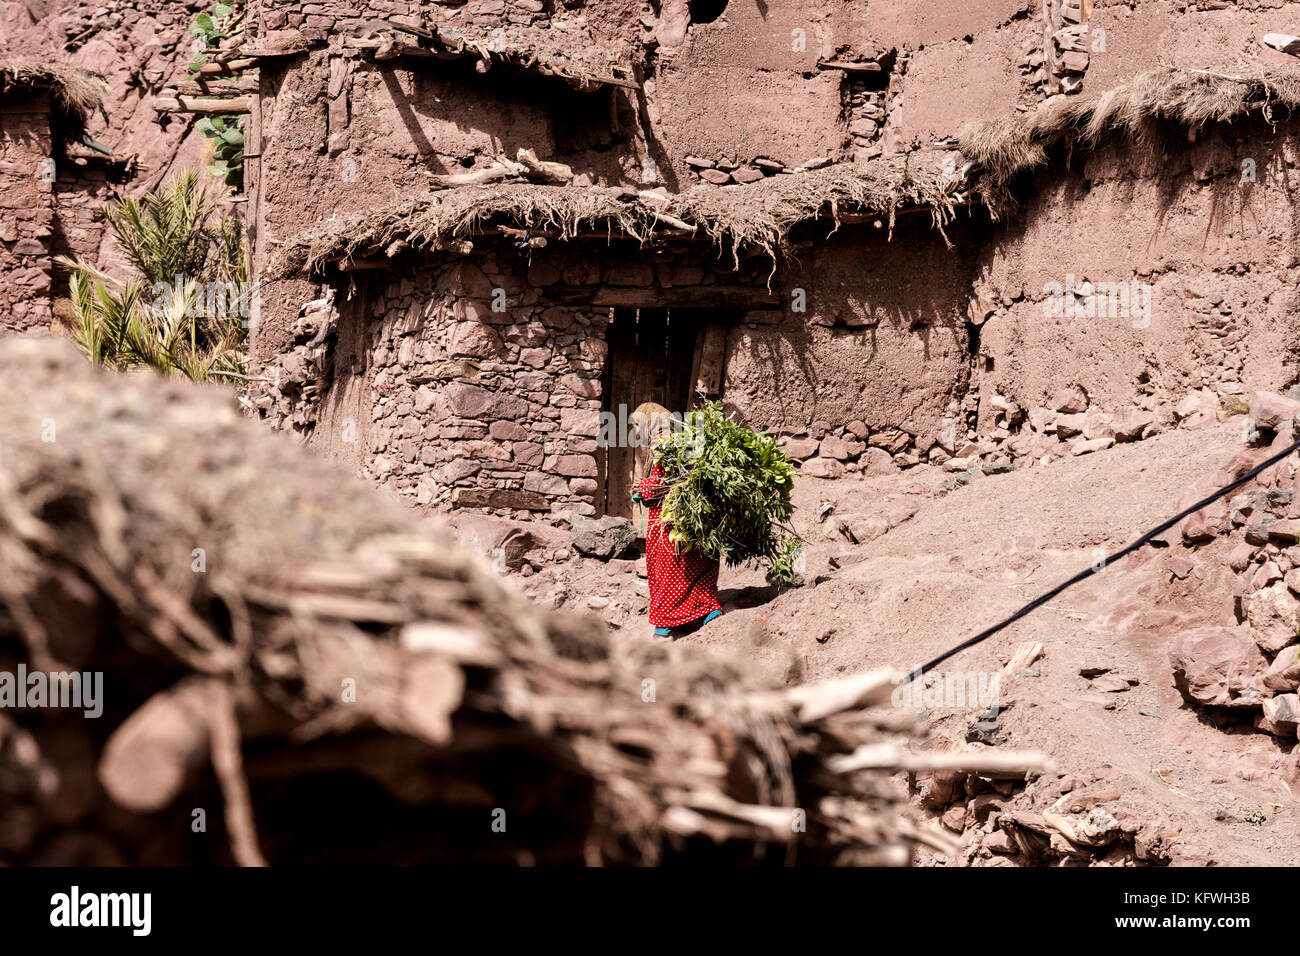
column 759, row 215
column 1004, row 149
column 76, row 93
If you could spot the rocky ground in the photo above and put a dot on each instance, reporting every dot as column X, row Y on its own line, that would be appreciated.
column 1156, row 776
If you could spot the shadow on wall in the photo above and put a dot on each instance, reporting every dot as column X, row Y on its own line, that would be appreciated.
column 1210, row 217
column 457, row 119
column 883, row 339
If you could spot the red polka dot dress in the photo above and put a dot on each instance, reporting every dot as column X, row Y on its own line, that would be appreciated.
column 683, row 587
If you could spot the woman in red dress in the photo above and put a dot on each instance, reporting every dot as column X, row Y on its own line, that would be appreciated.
column 683, row 587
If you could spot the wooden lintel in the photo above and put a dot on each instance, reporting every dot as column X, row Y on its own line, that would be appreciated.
column 702, row 296
column 227, row 68
column 358, row 265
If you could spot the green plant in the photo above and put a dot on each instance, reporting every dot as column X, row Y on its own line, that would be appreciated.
column 729, row 493
column 183, row 311
column 228, row 149
column 209, row 29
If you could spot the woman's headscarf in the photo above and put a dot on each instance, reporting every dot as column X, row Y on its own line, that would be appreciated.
column 650, row 422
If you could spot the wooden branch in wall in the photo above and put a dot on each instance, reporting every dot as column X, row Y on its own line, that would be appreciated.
column 502, row 169
column 849, row 67
column 221, row 87
column 209, row 107
column 228, row 68
column 557, row 174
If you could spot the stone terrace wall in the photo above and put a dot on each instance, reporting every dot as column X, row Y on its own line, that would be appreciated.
column 26, row 213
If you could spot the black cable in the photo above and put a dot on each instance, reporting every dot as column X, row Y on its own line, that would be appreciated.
column 1094, row 568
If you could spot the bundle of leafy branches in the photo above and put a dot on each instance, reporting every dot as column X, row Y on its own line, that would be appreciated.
column 729, row 493
column 183, row 312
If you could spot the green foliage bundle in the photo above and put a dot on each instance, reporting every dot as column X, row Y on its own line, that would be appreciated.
column 183, row 312
column 729, row 493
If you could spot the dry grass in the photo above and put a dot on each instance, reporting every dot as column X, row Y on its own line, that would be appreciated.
column 759, row 216
column 76, row 93
column 1004, row 149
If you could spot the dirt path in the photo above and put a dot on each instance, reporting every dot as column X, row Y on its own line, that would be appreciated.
column 970, row 557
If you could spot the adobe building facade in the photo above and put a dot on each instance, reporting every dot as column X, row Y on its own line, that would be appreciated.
column 52, row 187
column 448, row 304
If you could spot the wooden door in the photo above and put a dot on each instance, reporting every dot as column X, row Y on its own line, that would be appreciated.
column 651, row 359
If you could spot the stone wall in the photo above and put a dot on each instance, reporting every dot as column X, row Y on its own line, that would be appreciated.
column 475, row 383
column 27, row 174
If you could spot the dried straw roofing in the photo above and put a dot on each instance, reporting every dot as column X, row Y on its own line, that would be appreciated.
column 76, row 93
column 1003, row 149
column 760, row 215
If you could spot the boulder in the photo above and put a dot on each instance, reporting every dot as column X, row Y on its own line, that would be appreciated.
column 1129, row 423
column 837, row 448
column 502, row 539
column 1090, row 445
column 1269, row 410
column 800, row 448
column 1067, row 426
column 1273, row 614
column 861, row 528
column 877, row 461
column 1283, row 709
column 823, row 468
column 1219, row 666
column 1072, row 400
column 606, row 537
column 1284, row 673
column 1210, row 520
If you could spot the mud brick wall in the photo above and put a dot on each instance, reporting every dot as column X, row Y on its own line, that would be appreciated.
column 26, row 213
column 870, row 374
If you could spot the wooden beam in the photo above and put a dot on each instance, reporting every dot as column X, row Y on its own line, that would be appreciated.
column 229, row 68
column 849, row 67
column 208, row 107
column 221, row 87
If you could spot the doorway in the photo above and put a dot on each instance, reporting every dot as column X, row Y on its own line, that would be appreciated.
column 654, row 356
